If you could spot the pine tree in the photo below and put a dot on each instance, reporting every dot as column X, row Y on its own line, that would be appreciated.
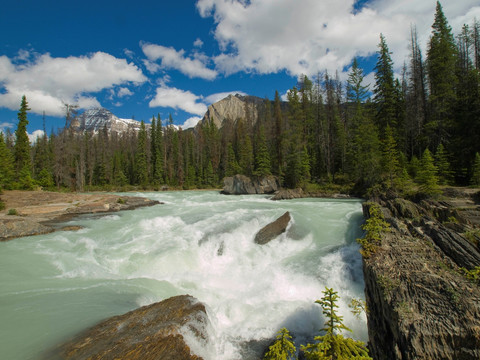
column 475, row 179
column 384, row 90
column 334, row 345
column 427, row 175
column 441, row 64
column 283, row 348
column 22, row 149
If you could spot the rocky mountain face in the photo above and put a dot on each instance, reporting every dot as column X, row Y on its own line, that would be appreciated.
column 421, row 304
column 95, row 120
column 232, row 108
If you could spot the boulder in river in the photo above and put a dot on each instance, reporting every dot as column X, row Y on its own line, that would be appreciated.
column 152, row 332
column 272, row 230
column 243, row 185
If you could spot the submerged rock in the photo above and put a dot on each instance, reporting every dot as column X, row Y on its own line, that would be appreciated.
column 152, row 332
column 272, row 230
column 243, row 185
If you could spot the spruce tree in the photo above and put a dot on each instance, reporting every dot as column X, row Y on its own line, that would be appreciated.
column 23, row 162
column 141, row 157
column 384, row 90
column 6, row 165
column 262, row 157
column 475, row 179
column 443, row 166
column 390, row 158
column 333, row 345
column 441, row 64
column 283, row 348
column 427, row 175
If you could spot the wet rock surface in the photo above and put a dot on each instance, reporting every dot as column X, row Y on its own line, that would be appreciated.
column 421, row 306
column 272, row 230
column 153, row 332
column 41, row 212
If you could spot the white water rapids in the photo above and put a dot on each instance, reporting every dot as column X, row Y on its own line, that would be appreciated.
column 198, row 243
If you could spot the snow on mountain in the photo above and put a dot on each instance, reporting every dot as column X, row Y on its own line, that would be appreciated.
column 95, row 120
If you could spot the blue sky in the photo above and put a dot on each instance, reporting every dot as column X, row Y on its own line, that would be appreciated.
column 159, row 57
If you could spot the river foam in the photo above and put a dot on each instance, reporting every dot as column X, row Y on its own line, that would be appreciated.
column 201, row 243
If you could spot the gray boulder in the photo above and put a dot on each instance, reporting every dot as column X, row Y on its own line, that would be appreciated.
column 152, row 332
column 272, row 230
column 243, row 185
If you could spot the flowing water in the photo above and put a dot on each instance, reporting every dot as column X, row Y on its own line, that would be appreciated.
column 198, row 243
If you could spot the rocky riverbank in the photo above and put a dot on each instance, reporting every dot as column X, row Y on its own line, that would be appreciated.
column 421, row 304
column 39, row 212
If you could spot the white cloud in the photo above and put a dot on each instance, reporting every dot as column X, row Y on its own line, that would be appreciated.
column 178, row 99
column 308, row 36
column 173, row 59
column 6, row 125
column 191, row 122
column 219, row 96
column 124, row 92
column 35, row 135
column 198, row 43
column 49, row 82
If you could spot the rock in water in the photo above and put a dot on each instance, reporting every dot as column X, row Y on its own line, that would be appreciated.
column 149, row 333
column 272, row 230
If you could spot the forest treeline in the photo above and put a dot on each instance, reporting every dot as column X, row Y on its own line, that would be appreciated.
column 415, row 131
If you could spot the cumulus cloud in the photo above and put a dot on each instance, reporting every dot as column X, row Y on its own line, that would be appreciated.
column 308, row 36
column 123, row 91
column 6, row 125
column 191, row 122
column 49, row 82
column 198, row 43
column 172, row 59
column 35, row 135
column 178, row 99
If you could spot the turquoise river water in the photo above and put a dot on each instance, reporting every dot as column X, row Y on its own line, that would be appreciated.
column 199, row 243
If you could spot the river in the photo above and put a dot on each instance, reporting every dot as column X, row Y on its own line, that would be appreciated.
column 199, row 243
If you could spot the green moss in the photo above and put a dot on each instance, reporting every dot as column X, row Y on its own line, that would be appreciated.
column 12, row 212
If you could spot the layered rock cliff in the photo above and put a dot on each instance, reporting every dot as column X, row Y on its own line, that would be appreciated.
column 232, row 108
column 421, row 304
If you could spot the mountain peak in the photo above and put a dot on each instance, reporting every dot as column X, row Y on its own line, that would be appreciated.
column 96, row 119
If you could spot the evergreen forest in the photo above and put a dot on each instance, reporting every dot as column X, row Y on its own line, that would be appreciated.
column 408, row 133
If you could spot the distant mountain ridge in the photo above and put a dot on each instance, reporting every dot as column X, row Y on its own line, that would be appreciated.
column 229, row 109
column 95, row 120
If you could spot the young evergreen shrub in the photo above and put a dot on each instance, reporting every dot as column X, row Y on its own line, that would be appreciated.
column 283, row 348
column 374, row 227
column 12, row 212
column 334, row 345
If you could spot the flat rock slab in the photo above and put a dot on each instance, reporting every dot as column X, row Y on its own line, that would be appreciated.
column 272, row 230
column 39, row 212
column 152, row 332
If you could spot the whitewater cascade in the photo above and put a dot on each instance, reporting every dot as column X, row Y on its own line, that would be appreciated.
column 198, row 243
